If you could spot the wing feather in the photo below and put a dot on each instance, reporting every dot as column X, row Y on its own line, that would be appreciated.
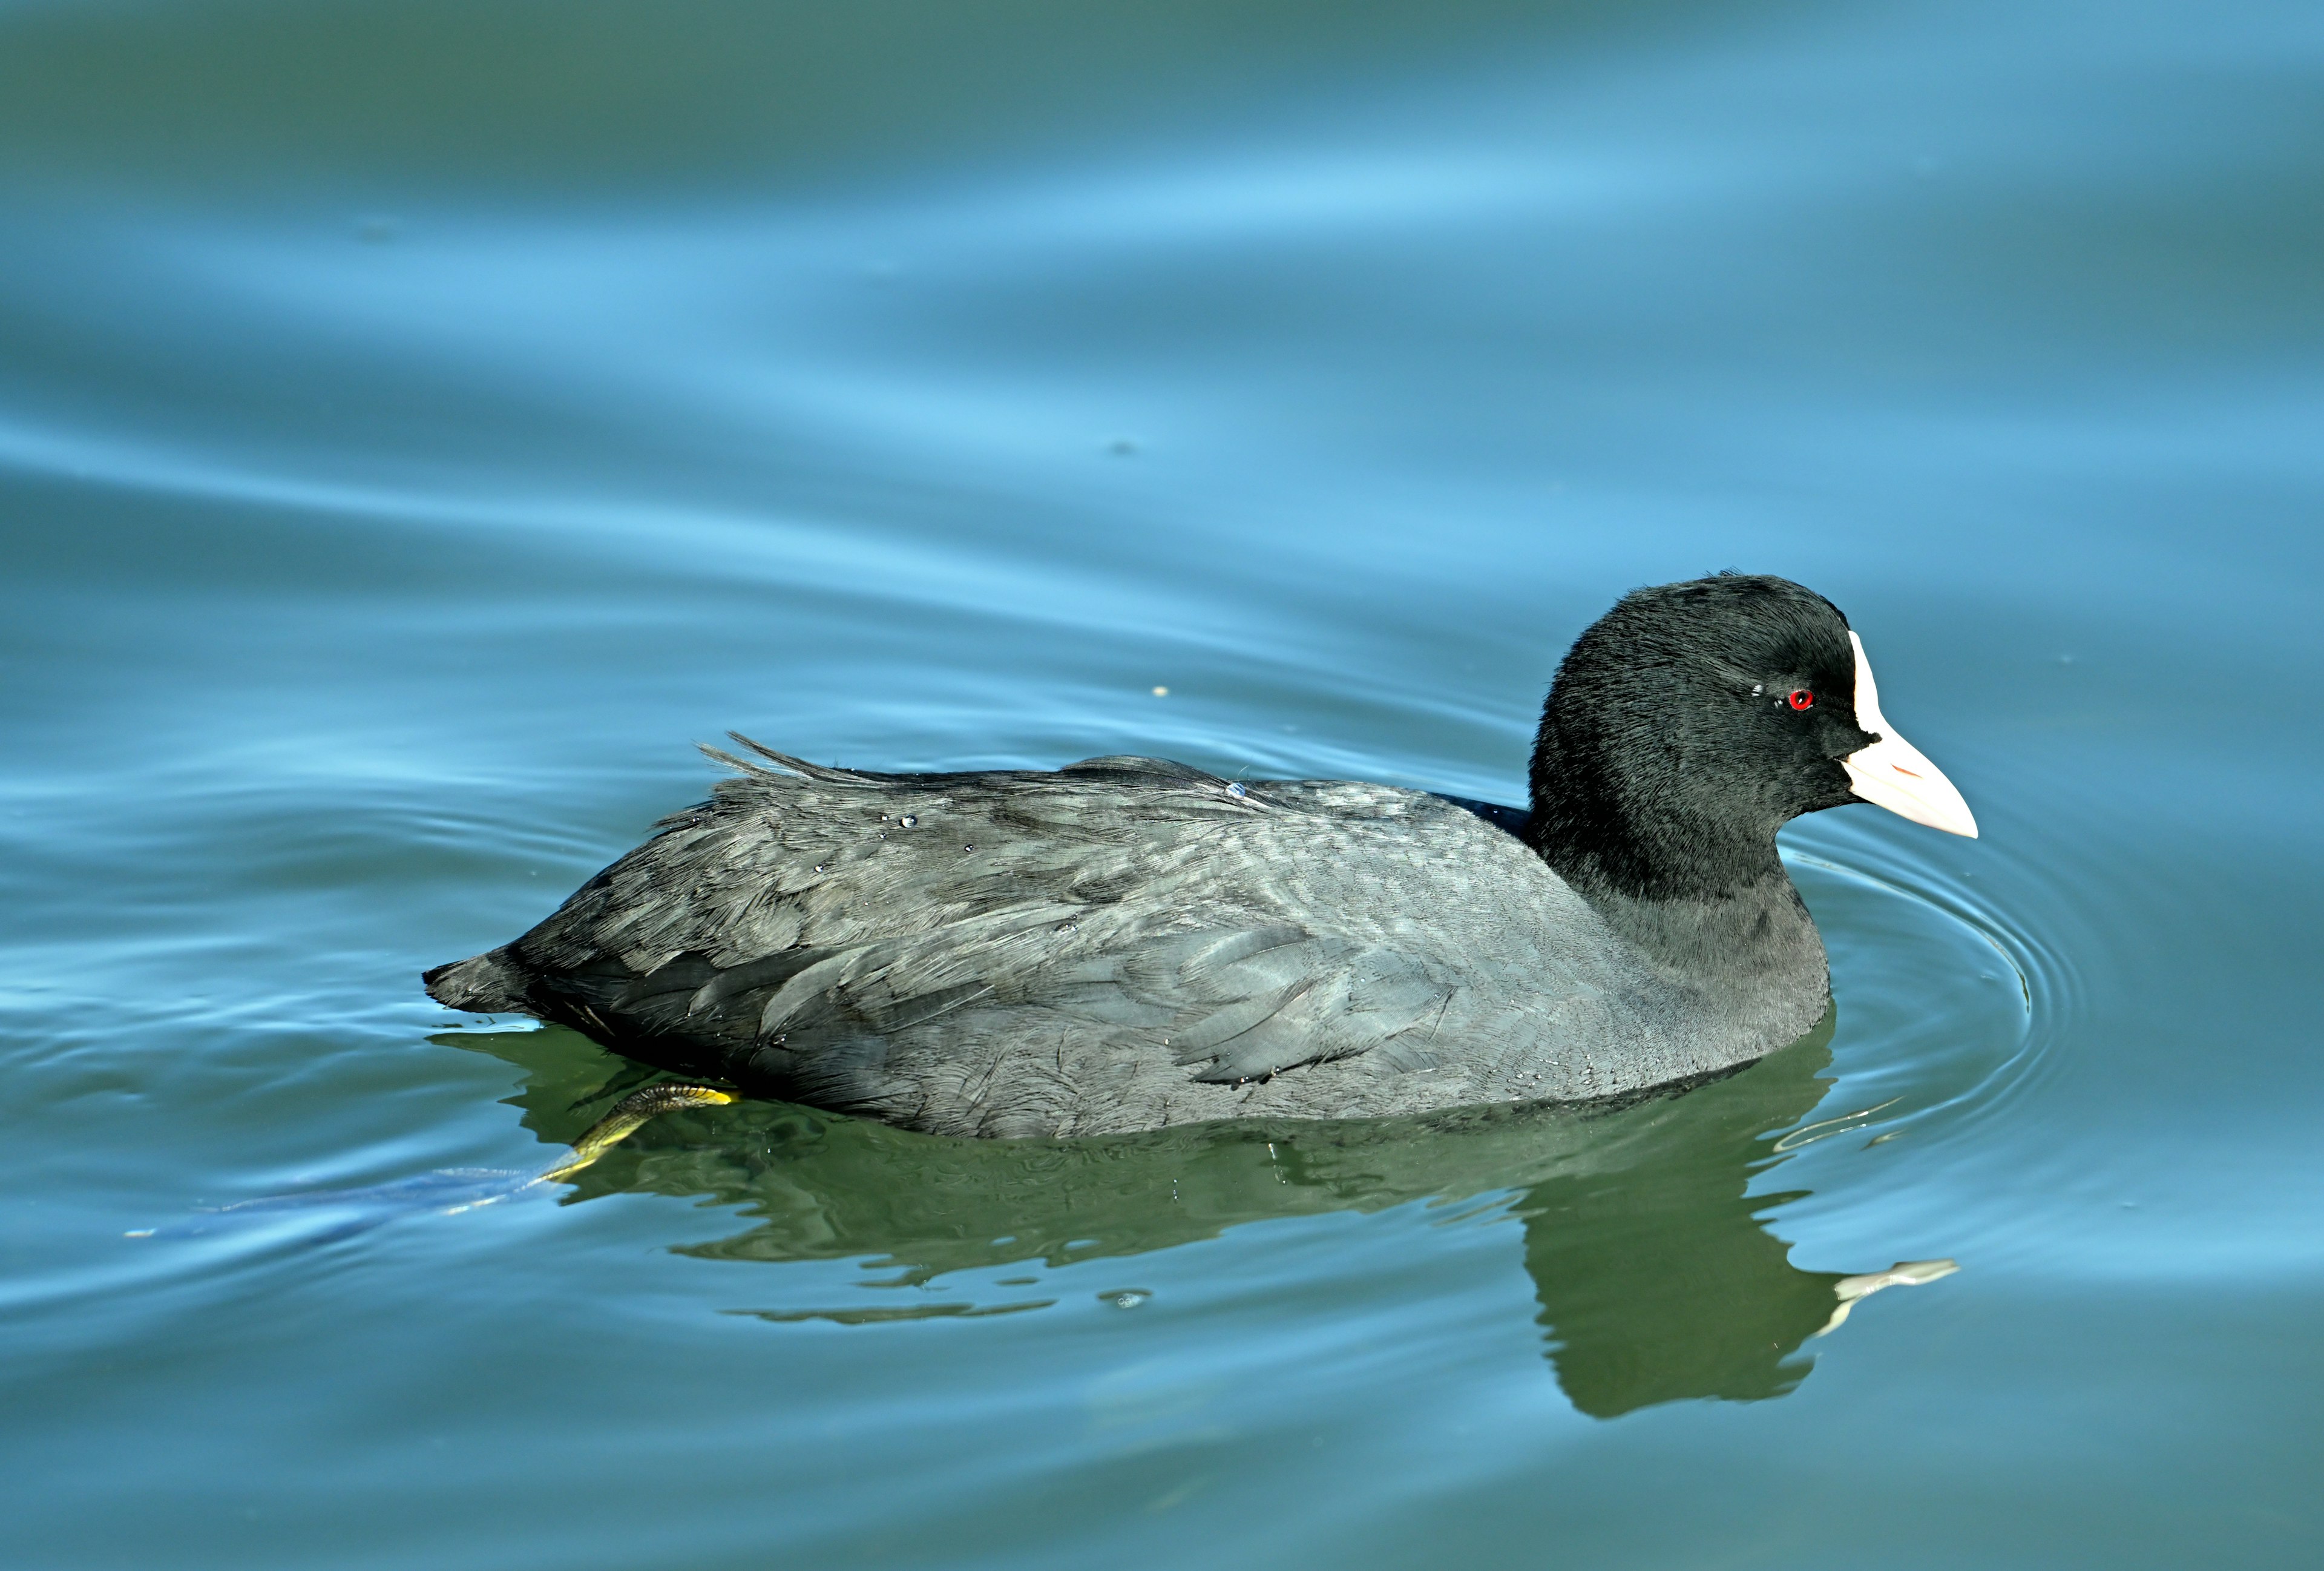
column 833, row 920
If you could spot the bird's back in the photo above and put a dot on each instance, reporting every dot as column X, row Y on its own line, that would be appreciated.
column 1122, row 944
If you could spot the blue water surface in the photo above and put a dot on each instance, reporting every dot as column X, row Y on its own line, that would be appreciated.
column 420, row 423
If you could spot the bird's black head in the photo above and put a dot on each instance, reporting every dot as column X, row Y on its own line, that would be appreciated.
column 1693, row 720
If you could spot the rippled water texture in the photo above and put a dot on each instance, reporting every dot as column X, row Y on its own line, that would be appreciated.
column 420, row 423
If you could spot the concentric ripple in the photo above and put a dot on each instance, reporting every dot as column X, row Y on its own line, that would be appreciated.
column 1944, row 1002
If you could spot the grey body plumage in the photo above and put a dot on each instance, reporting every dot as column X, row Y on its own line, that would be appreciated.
column 1127, row 944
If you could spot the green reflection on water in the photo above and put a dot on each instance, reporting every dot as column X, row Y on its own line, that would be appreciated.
column 1655, row 1279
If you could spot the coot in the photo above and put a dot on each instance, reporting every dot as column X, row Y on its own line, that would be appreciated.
column 1127, row 943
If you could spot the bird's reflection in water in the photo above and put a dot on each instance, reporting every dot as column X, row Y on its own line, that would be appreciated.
column 1655, row 1278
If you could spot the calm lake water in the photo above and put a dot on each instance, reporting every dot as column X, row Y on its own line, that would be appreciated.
column 420, row 423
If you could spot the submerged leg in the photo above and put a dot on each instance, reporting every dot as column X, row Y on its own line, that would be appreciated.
column 630, row 1114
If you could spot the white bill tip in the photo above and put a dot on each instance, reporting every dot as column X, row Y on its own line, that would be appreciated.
column 1892, row 773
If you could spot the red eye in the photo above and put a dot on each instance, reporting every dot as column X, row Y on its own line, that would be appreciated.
column 1801, row 698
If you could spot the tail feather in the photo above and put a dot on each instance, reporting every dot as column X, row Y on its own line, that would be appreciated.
column 785, row 765
column 487, row 984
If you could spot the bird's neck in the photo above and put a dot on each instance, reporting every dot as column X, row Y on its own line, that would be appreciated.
column 1639, row 834
column 1707, row 903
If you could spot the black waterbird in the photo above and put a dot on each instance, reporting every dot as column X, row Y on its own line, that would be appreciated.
column 1127, row 943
